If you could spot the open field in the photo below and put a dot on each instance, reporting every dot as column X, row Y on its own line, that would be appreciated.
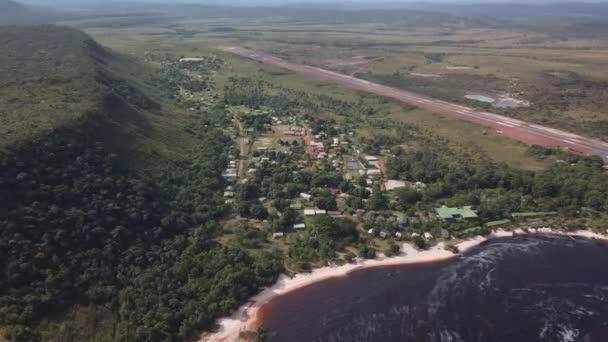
column 514, row 129
column 495, row 146
column 560, row 74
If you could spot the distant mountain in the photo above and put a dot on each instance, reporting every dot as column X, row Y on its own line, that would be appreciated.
column 12, row 12
column 10, row 8
column 517, row 9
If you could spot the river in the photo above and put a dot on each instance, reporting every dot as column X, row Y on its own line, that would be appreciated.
column 524, row 288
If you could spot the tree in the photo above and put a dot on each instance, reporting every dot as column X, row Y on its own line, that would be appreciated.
column 377, row 201
column 407, row 197
column 365, row 251
column 259, row 212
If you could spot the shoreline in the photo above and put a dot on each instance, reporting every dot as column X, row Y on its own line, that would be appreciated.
column 245, row 318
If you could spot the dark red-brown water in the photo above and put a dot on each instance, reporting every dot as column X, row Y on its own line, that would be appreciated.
column 513, row 290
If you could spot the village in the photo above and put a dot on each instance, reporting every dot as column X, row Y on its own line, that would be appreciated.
column 360, row 190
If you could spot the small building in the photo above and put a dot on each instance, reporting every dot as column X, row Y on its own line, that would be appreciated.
column 320, row 212
column 228, row 194
column 309, row 212
column 446, row 213
column 305, row 196
column 279, row 235
column 230, row 175
column 370, row 232
column 394, row 184
column 299, row 226
column 335, row 213
column 383, row 235
column 374, row 173
column 428, row 236
column 371, row 158
column 398, row 235
column 296, row 206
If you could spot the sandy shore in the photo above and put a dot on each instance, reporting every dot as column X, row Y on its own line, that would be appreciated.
column 244, row 319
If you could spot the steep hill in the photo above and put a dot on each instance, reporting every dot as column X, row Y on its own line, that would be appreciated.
column 56, row 77
column 91, row 247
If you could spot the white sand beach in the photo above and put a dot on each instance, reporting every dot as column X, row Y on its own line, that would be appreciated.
column 244, row 319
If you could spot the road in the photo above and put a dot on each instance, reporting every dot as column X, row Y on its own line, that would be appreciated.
column 515, row 129
column 242, row 147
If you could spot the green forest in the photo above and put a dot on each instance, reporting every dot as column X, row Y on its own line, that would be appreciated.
column 160, row 254
column 79, row 229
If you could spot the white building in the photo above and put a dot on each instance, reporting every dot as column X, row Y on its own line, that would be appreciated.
column 309, row 212
column 305, row 196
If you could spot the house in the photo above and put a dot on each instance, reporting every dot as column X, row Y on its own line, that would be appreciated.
column 279, row 235
column 305, row 196
column 309, row 212
column 299, row 226
column 374, row 172
column 230, row 175
column 394, row 184
column 446, row 213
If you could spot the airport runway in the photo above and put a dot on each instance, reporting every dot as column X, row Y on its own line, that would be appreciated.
column 515, row 129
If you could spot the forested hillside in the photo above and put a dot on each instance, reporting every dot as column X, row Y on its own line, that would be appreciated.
column 86, row 234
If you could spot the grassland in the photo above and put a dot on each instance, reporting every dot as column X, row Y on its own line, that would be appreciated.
column 561, row 75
